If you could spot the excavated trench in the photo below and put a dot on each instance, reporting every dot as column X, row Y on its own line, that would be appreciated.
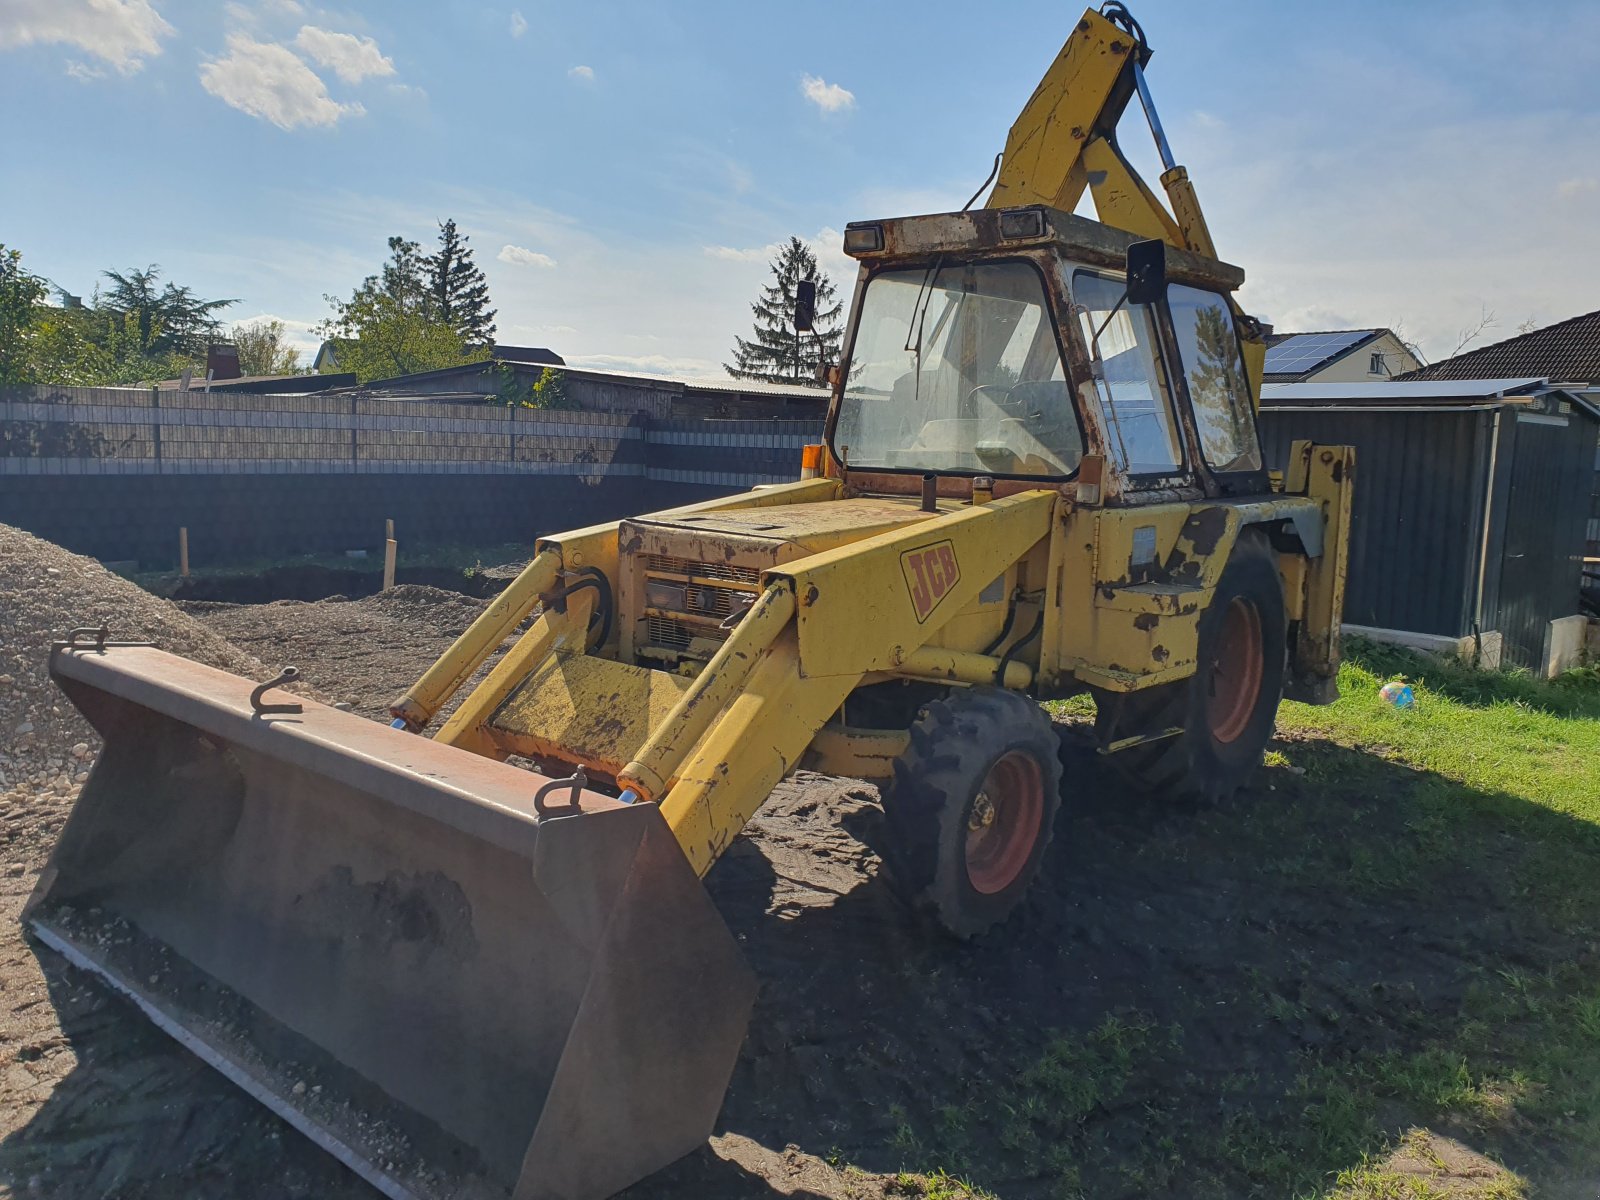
column 312, row 582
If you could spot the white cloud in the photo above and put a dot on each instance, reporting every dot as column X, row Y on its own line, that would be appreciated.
column 584, row 73
column 734, row 254
column 1570, row 188
column 522, row 257
column 827, row 244
column 121, row 32
column 352, row 58
column 83, row 72
column 519, row 24
column 649, row 364
column 266, row 80
column 829, row 97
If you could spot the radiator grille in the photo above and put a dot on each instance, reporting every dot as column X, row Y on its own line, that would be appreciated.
column 705, row 604
column 668, row 565
column 674, row 635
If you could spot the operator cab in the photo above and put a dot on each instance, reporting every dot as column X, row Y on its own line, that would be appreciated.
column 1009, row 343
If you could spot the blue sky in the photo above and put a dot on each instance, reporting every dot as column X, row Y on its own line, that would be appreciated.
column 623, row 168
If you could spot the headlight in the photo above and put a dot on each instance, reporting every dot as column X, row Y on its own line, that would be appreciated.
column 673, row 597
column 1021, row 223
column 863, row 239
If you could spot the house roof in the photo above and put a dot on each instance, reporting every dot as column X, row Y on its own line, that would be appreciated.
column 1422, row 395
column 537, row 355
column 1398, row 391
column 709, row 383
column 746, row 387
column 275, row 385
column 1568, row 351
column 1296, row 355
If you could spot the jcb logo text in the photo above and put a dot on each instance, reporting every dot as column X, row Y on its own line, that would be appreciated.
column 931, row 572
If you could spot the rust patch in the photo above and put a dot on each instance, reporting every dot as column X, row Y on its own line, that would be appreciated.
column 1338, row 471
column 811, row 595
column 1145, row 622
column 1205, row 528
column 1160, row 654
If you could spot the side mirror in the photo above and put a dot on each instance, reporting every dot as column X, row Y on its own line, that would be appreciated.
column 805, row 305
column 1147, row 271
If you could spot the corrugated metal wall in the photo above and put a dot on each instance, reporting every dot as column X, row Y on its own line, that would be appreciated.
column 1541, row 558
column 1415, row 528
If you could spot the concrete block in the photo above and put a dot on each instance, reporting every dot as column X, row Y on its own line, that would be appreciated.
column 1464, row 648
column 1564, row 644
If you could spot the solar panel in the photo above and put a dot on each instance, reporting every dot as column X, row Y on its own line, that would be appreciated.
column 1301, row 352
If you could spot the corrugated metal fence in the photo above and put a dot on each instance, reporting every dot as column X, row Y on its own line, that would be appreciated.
column 113, row 472
column 119, row 431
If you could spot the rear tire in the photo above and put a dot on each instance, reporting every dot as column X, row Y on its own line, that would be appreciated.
column 1228, row 708
column 972, row 807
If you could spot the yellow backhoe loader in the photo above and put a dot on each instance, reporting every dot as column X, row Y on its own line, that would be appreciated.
column 480, row 962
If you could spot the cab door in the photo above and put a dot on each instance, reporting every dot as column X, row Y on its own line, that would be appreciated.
column 1208, row 373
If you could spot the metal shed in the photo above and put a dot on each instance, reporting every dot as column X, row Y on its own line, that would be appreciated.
column 1471, row 503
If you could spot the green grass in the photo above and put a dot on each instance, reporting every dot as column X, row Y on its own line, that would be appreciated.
column 1480, row 804
column 1499, row 732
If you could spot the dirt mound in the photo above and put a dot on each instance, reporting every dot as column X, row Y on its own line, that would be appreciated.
column 359, row 652
column 46, row 592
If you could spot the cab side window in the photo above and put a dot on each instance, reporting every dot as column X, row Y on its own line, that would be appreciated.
column 1140, row 432
column 1219, row 393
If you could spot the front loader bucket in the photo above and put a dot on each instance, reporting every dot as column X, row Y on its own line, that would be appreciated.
column 378, row 937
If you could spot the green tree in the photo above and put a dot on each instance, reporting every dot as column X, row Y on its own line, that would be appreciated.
column 549, row 390
column 264, row 349
column 388, row 327
column 779, row 353
column 21, row 294
column 167, row 320
column 404, row 278
column 457, row 291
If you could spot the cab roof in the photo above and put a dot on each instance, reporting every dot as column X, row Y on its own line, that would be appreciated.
column 984, row 231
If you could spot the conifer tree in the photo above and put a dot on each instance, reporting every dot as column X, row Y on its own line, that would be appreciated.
column 457, row 291
column 779, row 353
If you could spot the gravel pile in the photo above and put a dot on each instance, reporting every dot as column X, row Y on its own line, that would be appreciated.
column 356, row 652
column 45, row 746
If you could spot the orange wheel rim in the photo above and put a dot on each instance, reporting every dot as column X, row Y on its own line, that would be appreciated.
column 1235, row 672
column 1003, row 823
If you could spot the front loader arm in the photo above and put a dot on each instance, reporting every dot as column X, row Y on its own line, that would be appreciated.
column 823, row 624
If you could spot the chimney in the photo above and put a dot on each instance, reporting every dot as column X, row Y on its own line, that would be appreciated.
column 222, row 361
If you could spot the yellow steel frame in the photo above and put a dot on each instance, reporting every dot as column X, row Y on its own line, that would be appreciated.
column 1117, row 591
column 1064, row 142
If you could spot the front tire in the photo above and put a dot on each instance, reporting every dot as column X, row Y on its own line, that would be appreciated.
column 1228, row 707
column 972, row 807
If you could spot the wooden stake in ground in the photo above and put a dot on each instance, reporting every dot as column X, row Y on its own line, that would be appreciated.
column 183, row 551
column 389, row 548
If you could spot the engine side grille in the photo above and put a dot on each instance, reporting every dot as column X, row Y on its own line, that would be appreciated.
column 669, row 634
column 719, row 590
column 667, row 565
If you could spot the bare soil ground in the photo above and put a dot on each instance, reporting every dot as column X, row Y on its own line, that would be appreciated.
column 1152, row 1023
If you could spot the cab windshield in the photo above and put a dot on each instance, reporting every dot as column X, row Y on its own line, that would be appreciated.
column 957, row 368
